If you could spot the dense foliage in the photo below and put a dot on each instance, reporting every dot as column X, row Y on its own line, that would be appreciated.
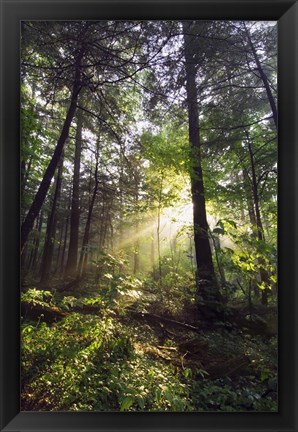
column 149, row 216
column 110, row 359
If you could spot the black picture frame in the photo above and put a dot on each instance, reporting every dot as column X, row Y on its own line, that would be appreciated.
column 286, row 13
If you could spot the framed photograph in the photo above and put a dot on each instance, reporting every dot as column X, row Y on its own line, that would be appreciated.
column 149, row 215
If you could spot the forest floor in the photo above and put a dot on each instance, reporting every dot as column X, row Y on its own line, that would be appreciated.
column 82, row 351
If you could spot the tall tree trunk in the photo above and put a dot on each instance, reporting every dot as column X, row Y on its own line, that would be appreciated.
column 111, row 238
column 61, row 230
column 249, row 198
column 136, row 264
column 65, row 236
column 105, row 216
column 152, row 254
column 252, row 218
column 46, row 181
column 120, row 185
column 84, row 250
column 102, row 233
column 217, row 248
column 262, row 75
column 47, row 257
column 158, row 230
column 25, row 171
column 207, row 284
column 71, row 266
column 260, row 231
column 33, row 259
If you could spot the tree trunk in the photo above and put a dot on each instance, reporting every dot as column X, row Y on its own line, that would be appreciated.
column 51, row 229
column 103, row 225
column 259, row 225
column 207, row 285
column 249, row 200
column 60, row 229
column 252, row 219
column 262, row 76
column 71, row 266
column 152, row 255
column 25, row 171
column 33, row 258
column 65, row 236
column 46, row 181
column 136, row 264
column 84, row 250
column 260, row 232
column 158, row 230
column 121, row 185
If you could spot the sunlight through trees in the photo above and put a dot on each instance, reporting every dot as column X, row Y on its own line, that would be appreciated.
column 149, row 215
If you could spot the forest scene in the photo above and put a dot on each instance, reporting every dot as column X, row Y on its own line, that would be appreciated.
column 149, row 216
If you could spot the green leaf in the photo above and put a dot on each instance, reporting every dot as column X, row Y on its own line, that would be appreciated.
column 218, row 230
column 141, row 402
column 126, row 403
column 187, row 373
column 231, row 222
column 203, row 373
column 264, row 375
column 168, row 395
column 27, row 329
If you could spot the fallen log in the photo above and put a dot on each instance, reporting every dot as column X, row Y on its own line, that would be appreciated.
column 42, row 312
column 153, row 317
column 256, row 326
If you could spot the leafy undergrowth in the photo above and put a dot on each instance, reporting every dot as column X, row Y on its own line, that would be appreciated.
column 99, row 356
